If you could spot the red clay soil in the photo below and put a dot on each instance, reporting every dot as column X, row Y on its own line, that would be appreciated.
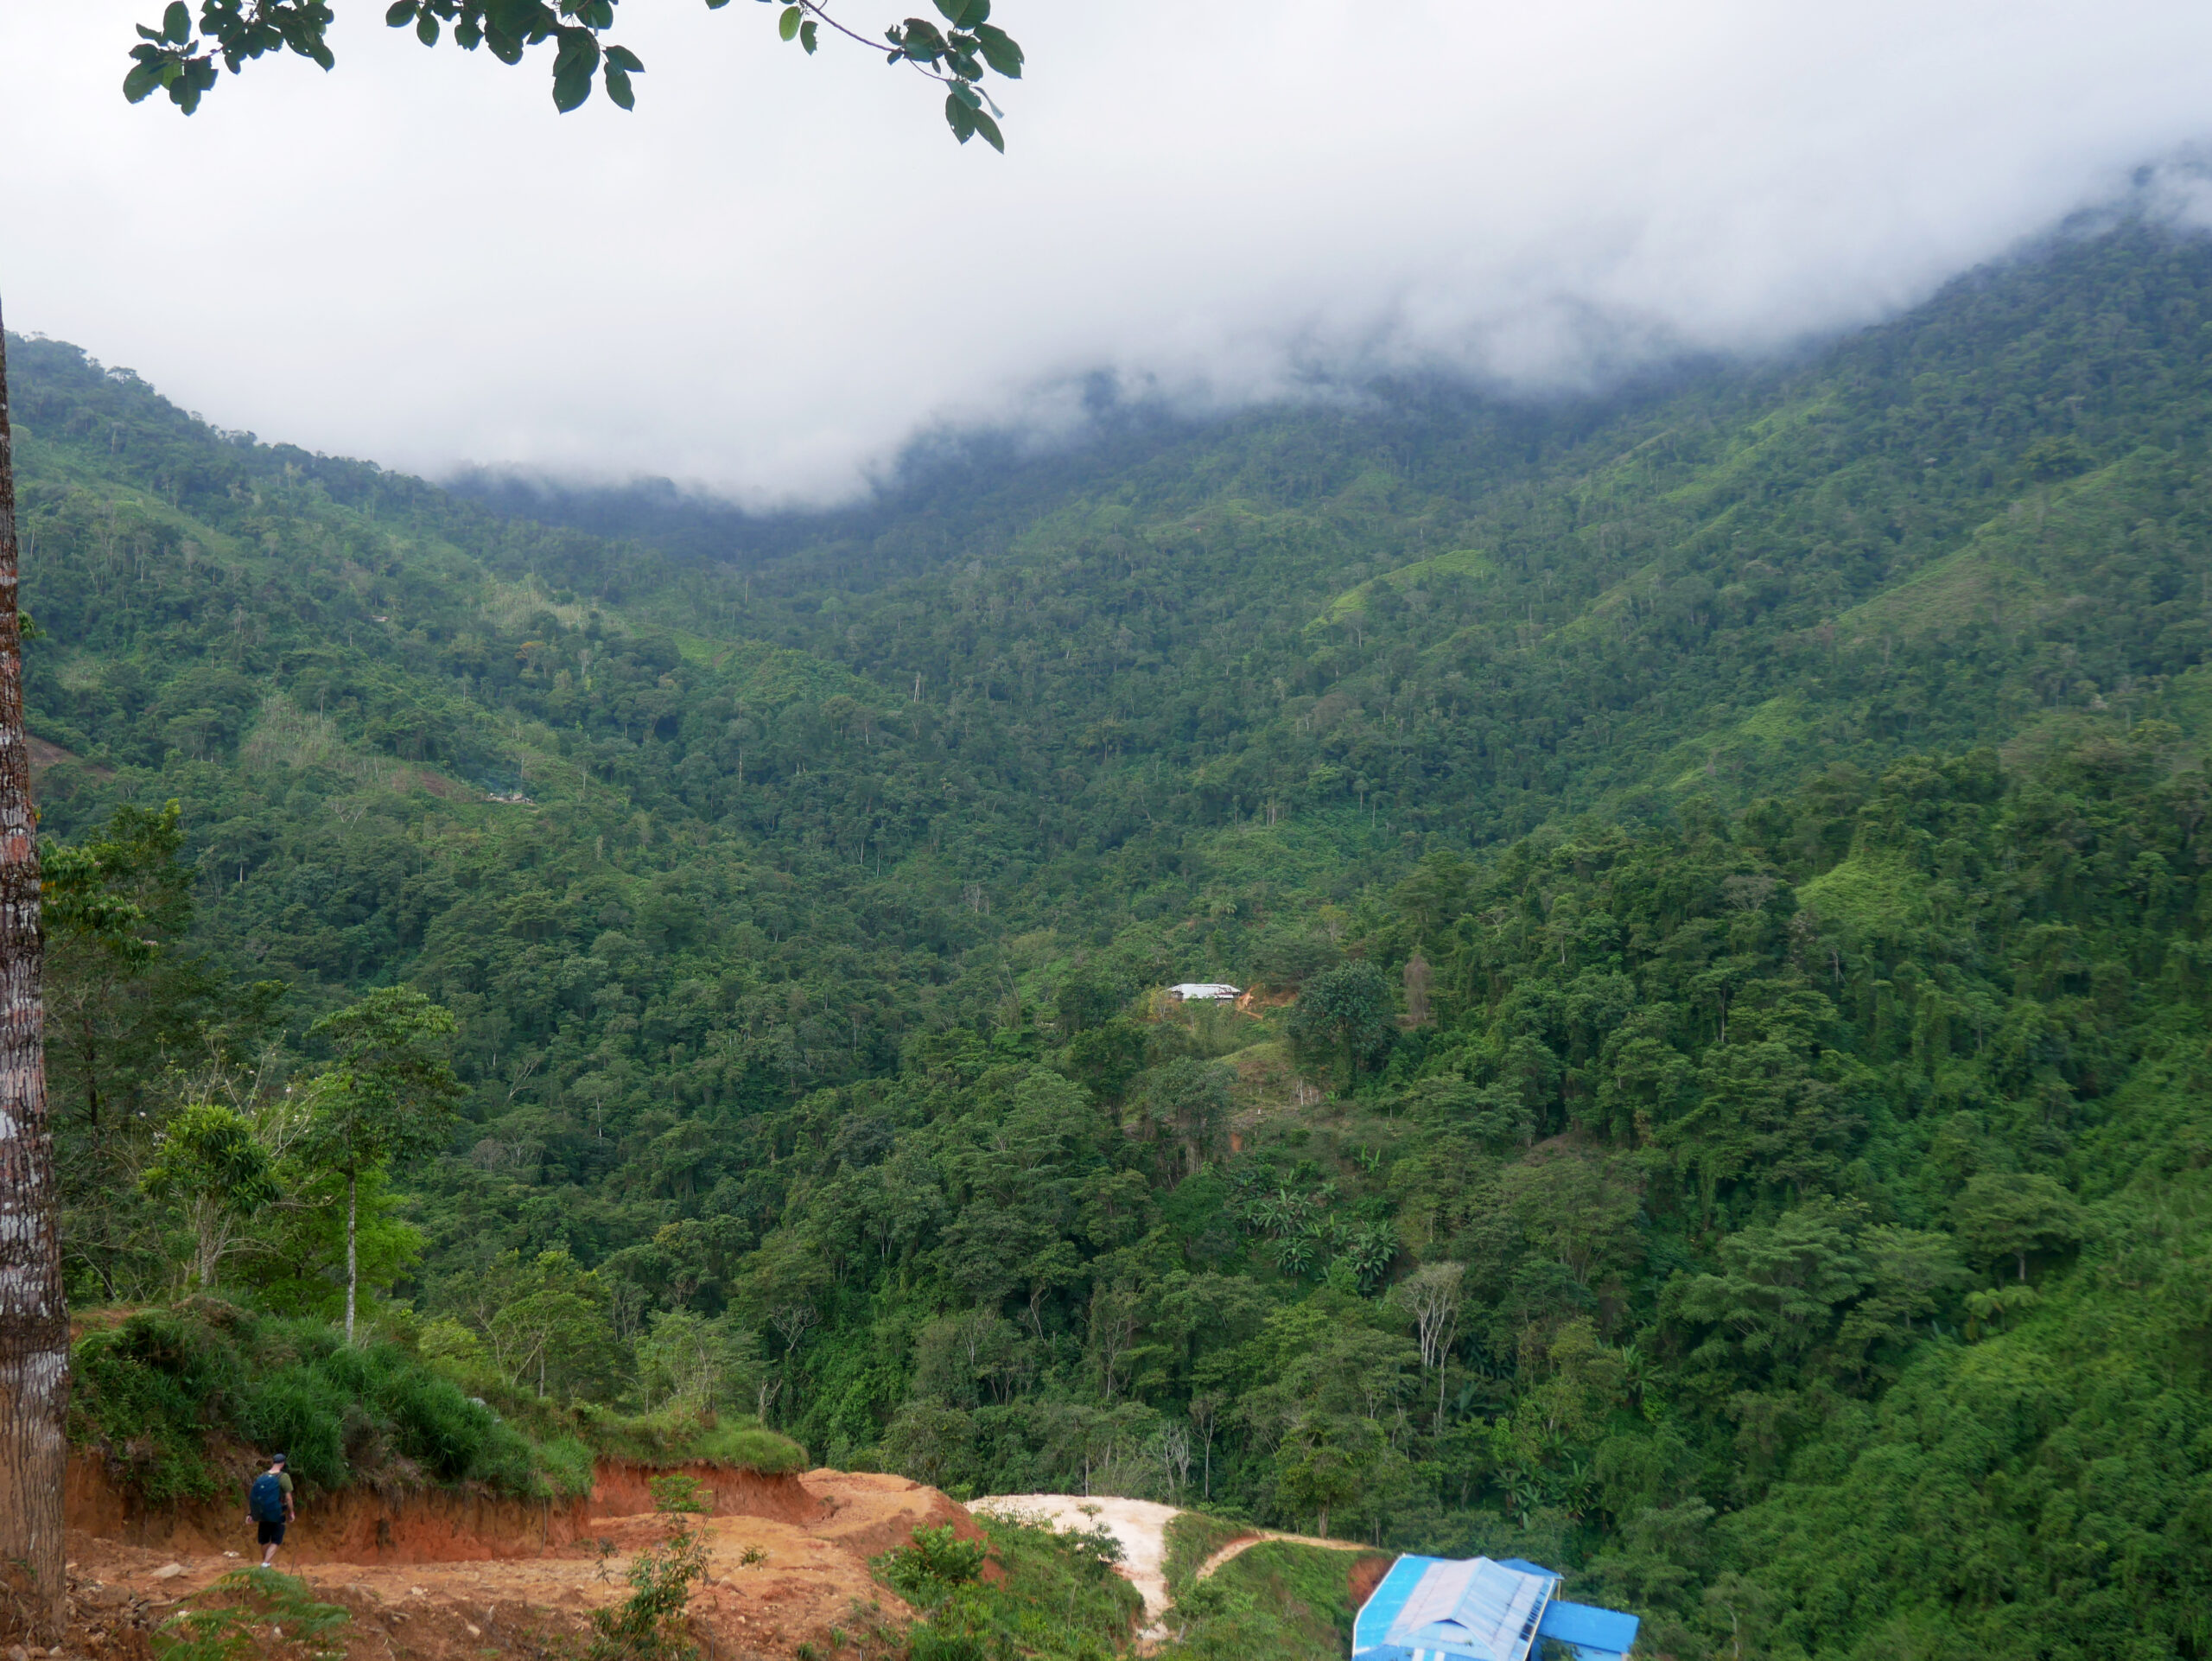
column 360, row 1526
column 433, row 1577
column 353, row 1526
column 623, row 1490
column 1367, row 1574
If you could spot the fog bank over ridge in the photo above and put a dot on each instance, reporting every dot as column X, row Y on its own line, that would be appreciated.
column 777, row 271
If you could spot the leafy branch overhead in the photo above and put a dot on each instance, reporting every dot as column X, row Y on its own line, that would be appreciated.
column 180, row 57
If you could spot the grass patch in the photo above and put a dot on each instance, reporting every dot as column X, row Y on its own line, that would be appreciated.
column 1287, row 1602
column 1058, row 1598
column 1460, row 562
column 673, row 1437
column 1871, row 894
column 1191, row 1538
column 263, row 1613
column 660, row 1439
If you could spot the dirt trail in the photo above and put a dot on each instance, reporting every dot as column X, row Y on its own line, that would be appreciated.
column 1140, row 1525
column 1243, row 1543
column 787, row 1562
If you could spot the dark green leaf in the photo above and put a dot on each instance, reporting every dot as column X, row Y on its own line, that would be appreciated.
column 999, row 50
column 426, row 29
column 573, row 67
column 176, row 23
column 959, row 116
column 920, row 41
column 808, row 35
column 401, row 15
column 989, row 129
column 141, row 80
column 618, row 84
column 623, row 59
column 716, row 6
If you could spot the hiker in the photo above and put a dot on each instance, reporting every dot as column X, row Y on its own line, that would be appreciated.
column 269, row 1503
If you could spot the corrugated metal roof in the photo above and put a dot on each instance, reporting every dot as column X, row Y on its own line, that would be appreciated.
column 1470, row 1610
column 1528, row 1568
column 1473, row 1609
column 1372, row 1627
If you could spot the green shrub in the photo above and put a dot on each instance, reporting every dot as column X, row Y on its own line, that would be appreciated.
column 673, row 1436
column 937, row 1559
column 146, row 1391
column 153, row 1393
column 567, row 1466
column 1058, row 1598
column 1287, row 1601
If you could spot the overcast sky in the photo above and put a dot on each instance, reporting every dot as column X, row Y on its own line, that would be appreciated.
column 778, row 267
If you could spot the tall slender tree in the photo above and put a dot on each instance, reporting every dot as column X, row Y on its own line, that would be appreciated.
column 33, row 1318
column 388, row 1096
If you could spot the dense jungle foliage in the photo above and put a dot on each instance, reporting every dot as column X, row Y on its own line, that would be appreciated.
column 1720, row 868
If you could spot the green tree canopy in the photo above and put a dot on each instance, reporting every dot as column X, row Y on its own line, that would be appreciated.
column 1343, row 1018
column 388, row 1095
column 211, row 1166
column 2017, row 1214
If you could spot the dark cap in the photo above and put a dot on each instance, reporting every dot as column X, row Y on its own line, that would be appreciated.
column 275, row 1459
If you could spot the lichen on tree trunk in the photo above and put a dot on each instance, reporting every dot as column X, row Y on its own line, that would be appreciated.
column 33, row 1320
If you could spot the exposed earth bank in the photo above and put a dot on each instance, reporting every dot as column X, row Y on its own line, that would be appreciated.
column 438, row 1575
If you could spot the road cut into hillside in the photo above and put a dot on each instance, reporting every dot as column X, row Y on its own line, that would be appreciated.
column 435, row 1577
column 1140, row 1527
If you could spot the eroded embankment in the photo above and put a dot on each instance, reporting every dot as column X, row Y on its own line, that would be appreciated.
column 441, row 1576
column 360, row 1525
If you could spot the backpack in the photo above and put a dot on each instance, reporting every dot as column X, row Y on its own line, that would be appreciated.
column 264, row 1501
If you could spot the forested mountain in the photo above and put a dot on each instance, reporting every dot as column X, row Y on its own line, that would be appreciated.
column 1720, row 865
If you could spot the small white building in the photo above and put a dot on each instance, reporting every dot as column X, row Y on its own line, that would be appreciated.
column 1206, row 992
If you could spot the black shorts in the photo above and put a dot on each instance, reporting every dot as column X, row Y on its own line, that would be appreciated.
column 272, row 1534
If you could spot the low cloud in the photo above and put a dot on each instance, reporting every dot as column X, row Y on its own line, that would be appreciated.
column 778, row 269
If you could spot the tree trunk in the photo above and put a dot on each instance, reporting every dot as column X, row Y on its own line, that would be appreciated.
column 353, row 1257
column 33, row 1321
column 208, row 1249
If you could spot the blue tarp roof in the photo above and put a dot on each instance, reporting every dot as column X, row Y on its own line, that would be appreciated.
column 1593, row 1631
column 1437, row 1609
